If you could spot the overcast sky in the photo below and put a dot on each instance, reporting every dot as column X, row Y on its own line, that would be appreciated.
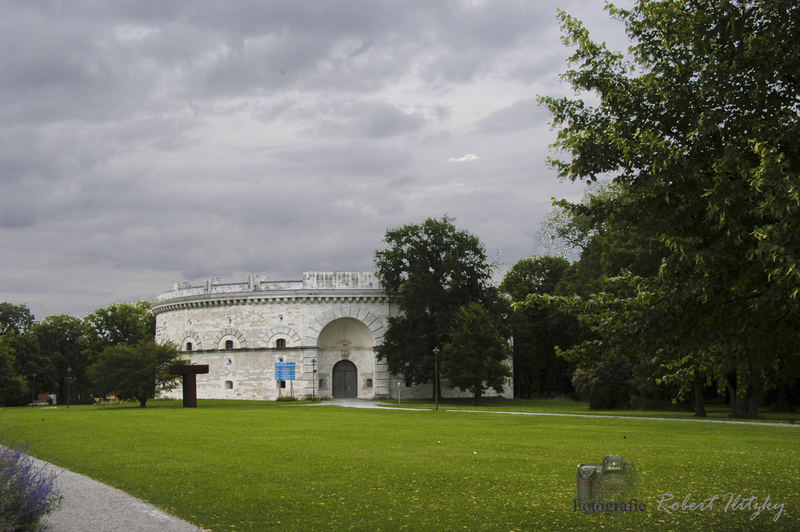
column 146, row 142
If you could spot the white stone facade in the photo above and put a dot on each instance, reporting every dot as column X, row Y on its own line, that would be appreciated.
column 328, row 324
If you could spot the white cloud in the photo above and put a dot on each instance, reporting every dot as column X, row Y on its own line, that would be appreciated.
column 463, row 158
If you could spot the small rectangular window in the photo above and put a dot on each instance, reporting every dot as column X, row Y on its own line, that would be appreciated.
column 282, row 384
column 280, row 343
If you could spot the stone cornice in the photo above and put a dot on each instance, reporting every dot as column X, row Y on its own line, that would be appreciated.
column 269, row 350
column 277, row 297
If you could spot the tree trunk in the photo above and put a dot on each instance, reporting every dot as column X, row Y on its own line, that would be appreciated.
column 753, row 398
column 784, row 403
column 477, row 396
column 752, row 405
column 699, row 404
column 736, row 401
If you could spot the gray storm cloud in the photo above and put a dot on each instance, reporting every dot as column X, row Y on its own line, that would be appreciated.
column 144, row 142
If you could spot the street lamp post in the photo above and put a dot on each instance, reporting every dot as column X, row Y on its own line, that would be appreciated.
column 68, row 379
column 33, row 390
column 313, row 377
column 436, row 377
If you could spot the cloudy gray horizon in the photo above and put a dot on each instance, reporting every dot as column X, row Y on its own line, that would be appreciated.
column 148, row 142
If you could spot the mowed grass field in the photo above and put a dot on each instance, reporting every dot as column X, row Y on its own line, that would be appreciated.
column 266, row 465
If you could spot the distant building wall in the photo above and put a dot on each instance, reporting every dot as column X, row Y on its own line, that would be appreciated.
column 242, row 329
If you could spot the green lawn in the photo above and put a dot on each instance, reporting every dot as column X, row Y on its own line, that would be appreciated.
column 266, row 465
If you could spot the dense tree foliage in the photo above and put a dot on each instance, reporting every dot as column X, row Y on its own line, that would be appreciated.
column 15, row 318
column 37, row 356
column 431, row 269
column 120, row 323
column 13, row 387
column 698, row 129
column 538, row 329
column 19, row 355
column 475, row 358
column 62, row 340
column 534, row 275
column 138, row 371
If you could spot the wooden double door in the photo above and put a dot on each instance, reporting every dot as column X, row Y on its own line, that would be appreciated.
column 345, row 379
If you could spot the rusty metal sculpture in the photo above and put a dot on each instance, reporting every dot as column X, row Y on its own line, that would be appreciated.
column 189, row 373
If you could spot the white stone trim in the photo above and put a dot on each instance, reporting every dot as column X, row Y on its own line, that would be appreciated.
column 205, row 300
column 191, row 336
column 287, row 333
column 375, row 324
column 229, row 333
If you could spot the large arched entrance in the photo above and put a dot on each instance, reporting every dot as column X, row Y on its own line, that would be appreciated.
column 345, row 379
column 346, row 359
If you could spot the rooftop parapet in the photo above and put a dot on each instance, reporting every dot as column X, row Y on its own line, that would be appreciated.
column 257, row 283
column 340, row 280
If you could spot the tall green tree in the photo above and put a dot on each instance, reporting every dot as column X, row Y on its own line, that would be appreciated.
column 62, row 340
column 118, row 324
column 700, row 126
column 538, row 329
column 431, row 269
column 22, row 359
column 137, row 372
column 476, row 356
column 13, row 386
column 28, row 357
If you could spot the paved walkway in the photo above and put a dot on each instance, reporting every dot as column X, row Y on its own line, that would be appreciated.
column 696, row 420
column 364, row 403
column 90, row 506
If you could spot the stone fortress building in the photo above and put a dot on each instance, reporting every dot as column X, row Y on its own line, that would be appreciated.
column 324, row 327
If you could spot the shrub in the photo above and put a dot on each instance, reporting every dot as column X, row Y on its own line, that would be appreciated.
column 27, row 493
column 287, row 398
column 604, row 386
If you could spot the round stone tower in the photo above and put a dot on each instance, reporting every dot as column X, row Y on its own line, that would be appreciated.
column 264, row 339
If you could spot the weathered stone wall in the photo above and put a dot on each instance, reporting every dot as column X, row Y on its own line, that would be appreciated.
column 314, row 322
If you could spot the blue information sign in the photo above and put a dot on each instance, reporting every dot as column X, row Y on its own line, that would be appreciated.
column 284, row 371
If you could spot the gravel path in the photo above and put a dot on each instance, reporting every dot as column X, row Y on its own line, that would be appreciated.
column 90, row 506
